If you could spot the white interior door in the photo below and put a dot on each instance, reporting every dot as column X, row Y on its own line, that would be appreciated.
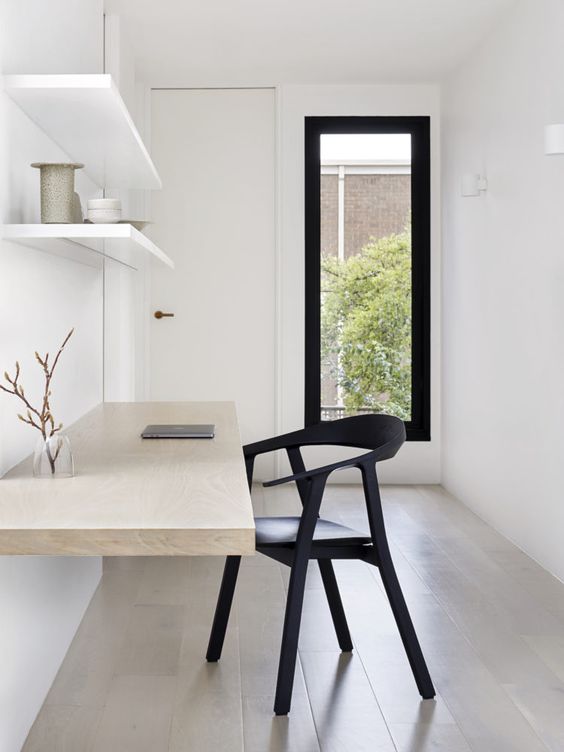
column 215, row 151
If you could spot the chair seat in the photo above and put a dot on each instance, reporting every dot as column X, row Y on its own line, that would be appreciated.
column 282, row 531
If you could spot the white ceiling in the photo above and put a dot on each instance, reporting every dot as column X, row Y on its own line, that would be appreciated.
column 265, row 42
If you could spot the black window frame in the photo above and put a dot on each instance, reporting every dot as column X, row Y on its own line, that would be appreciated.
column 419, row 127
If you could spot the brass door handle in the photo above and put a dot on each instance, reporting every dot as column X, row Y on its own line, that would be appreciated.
column 161, row 315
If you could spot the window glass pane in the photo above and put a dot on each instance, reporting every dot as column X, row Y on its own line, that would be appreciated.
column 366, row 295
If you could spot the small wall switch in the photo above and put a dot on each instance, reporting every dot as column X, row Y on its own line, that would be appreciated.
column 473, row 184
column 554, row 139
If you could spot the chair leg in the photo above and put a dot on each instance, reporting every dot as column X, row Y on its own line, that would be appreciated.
column 406, row 630
column 290, row 635
column 224, row 601
column 392, row 586
column 335, row 604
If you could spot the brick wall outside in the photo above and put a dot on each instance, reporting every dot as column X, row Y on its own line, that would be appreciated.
column 329, row 213
column 375, row 206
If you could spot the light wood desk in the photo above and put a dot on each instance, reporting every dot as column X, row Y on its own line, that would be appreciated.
column 135, row 497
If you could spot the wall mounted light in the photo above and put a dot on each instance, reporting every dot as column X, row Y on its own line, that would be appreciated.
column 554, row 139
column 473, row 184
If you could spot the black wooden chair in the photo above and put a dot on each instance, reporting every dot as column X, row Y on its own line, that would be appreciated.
column 295, row 540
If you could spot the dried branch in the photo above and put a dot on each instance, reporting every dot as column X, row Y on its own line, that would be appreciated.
column 42, row 419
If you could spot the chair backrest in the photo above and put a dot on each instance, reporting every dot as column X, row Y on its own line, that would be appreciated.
column 384, row 434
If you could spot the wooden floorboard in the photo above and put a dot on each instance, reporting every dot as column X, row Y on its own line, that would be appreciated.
column 490, row 621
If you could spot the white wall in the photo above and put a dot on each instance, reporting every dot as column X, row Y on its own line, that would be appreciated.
column 417, row 462
column 503, row 282
column 58, row 36
column 41, row 297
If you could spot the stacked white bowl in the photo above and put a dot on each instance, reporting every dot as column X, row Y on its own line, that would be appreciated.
column 104, row 210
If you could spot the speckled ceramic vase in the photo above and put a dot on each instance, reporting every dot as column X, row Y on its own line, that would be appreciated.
column 57, row 191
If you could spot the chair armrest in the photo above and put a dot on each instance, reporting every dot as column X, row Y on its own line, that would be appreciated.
column 325, row 470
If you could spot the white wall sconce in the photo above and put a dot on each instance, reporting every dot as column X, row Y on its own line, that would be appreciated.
column 473, row 184
column 554, row 139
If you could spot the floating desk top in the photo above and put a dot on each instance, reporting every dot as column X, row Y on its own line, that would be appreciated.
column 133, row 496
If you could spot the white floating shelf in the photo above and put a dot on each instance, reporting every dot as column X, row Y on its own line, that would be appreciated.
column 88, row 243
column 85, row 115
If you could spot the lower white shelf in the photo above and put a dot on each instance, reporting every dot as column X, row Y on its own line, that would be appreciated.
column 88, row 243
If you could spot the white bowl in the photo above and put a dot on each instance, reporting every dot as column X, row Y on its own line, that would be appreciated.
column 103, row 203
column 104, row 216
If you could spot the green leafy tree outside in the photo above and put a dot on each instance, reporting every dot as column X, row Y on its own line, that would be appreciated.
column 366, row 325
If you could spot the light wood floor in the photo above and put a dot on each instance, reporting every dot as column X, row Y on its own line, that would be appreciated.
column 490, row 620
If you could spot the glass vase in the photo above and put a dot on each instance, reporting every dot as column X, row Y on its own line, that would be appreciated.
column 53, row 457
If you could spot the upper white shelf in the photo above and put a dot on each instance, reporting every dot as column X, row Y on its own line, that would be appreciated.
column 85, row 115
column 88, row 243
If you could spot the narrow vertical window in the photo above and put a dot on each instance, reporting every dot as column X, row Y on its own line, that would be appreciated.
column 367, row 210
